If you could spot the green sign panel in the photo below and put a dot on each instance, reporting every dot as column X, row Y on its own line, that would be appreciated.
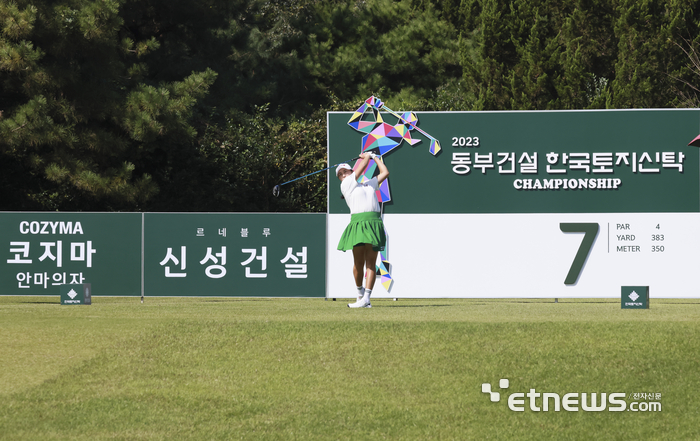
column 635, row 297
column 536, row 162
column 162, row 254
column 538, row 203
column 41, row 252
column 223, row 254
column 76, row 294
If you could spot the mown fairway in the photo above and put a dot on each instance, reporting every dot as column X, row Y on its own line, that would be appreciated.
column 313, row 369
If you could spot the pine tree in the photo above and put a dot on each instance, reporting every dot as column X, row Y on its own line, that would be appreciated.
column 398, row 50
column 651, row 66
column 77, row 116
column 540, row 54
column 577, row 54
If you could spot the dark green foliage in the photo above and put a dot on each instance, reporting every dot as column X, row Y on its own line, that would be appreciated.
column 253, row 153
column 649, row 59
column 544, row 54
column 250, row 44
column 205, row 105
column 540, row 54
column 401, row 51
column 77, row 123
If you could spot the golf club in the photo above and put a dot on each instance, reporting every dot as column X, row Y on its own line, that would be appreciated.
column 276, row 189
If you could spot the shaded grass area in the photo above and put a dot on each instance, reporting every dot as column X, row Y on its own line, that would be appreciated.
column 312, row 369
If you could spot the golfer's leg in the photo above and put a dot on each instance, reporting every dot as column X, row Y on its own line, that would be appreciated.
column 358, row 254
column 371, row 264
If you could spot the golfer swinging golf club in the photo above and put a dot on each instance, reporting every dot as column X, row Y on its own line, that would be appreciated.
column 365, row 234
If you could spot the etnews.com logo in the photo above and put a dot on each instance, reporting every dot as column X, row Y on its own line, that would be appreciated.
column 572, row 402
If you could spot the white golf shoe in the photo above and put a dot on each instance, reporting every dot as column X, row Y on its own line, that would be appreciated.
column 361, row 303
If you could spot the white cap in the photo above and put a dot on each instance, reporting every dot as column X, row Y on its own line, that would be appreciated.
column 342, row 166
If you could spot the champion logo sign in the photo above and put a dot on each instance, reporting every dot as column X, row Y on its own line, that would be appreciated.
column 72, row 294
column 634, row 296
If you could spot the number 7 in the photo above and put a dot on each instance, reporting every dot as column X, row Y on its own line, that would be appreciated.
column 591, row 232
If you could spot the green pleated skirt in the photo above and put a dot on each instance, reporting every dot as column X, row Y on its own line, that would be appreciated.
column 364, row 228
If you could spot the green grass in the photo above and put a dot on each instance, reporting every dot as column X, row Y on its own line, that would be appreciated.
column 313, row 369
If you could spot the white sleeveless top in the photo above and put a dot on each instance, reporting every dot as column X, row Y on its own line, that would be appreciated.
column 361, row 198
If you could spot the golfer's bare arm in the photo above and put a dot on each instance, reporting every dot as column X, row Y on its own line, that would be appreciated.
column 383, row 171
column 364, row 161
column 362, row 165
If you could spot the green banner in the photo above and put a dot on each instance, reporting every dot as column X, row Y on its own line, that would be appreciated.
column 43, row 251
column 223, row 254
column 610, row 161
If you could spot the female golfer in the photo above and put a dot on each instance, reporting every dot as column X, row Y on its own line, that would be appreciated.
column 365, row 234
